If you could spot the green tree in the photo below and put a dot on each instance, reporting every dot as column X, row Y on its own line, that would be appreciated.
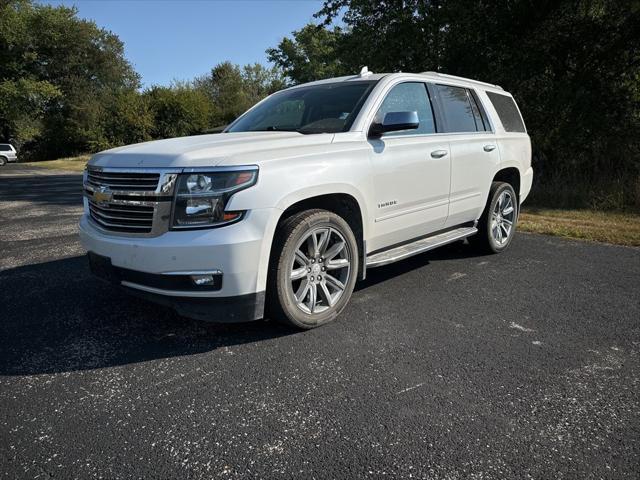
column 129, row 119
column 178, row 110
column 232, row 89
column 23, row 103
column 313, row 53
column 49, row 54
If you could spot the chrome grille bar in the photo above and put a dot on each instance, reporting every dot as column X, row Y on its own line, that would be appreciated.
column 123, row 180
column 131, row 202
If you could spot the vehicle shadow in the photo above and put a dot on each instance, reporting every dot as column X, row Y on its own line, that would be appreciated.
column 51, row 189
column 456, row 250
column 57, row 318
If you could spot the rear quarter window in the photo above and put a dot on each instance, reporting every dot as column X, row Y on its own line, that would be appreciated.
column 507, row 112
column 5, row 148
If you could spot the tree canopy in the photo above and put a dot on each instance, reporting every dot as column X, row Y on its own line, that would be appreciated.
column 66, row 88
column 572, row 65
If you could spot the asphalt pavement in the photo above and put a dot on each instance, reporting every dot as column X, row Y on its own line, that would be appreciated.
column 449, row 365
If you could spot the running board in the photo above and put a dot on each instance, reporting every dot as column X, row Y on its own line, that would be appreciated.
column 419, row 246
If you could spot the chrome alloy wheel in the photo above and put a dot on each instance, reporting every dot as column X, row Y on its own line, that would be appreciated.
column 503, row 218
column 320, row 270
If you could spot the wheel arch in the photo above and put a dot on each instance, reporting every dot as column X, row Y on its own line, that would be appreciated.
column 510, row 175
column 342, row 203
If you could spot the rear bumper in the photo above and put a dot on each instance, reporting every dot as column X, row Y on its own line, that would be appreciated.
column 526, row 181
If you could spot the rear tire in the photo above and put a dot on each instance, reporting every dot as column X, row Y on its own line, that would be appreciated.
column 3, row 161
column 497, row 225
column 313, row 269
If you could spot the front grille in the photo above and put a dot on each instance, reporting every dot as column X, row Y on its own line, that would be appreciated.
column 128, row 181
column 130, row 202
column 122, row 218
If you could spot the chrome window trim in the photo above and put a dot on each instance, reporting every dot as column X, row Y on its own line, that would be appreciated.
column 441, row 134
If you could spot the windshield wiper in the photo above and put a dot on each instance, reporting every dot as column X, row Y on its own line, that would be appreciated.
column 274, row 128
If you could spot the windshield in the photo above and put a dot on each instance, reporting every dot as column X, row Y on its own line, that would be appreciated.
column 325, row 108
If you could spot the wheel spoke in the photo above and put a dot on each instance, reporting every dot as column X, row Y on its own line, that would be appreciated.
column 338, row 263
column 324, row 292
column 323, row 243
column 298, row 273
column 335, row 249
column 508, row 210
column 303, row 289
column 334, row 282
column 507, row 222
column 313, row 296
column 301, row 258
column 316, row 242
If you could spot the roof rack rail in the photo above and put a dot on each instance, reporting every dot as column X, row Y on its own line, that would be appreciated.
column 470, row 80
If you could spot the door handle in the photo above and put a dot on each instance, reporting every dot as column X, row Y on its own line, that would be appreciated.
column 438, row 153
column 489, row 148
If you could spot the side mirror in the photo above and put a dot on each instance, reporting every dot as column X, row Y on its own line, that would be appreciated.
column 393, row 122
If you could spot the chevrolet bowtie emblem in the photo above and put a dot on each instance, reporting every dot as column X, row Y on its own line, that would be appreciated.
column 102, row 195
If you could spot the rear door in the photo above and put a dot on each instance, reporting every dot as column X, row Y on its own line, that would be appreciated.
column 474, row 153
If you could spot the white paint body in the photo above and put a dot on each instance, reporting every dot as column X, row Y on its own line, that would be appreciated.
column 427, row 194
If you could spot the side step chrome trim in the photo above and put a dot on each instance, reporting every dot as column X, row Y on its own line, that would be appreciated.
column 419, row 246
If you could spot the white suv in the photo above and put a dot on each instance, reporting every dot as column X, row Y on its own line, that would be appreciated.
column 7, row 154
column 287, row 208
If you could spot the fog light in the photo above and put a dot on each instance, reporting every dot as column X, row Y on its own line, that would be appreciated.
column 203, row 280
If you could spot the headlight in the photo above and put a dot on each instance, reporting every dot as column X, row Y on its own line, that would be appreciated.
column 201, row 197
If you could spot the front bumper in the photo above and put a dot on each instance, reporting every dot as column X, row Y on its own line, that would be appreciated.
column 237, row 251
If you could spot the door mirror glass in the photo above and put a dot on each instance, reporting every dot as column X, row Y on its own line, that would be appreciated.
column 394, row 122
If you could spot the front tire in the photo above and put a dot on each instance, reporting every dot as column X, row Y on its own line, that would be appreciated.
column 313, row 269
column 497, row 225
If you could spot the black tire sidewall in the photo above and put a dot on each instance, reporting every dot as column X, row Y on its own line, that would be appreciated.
column 285, row 297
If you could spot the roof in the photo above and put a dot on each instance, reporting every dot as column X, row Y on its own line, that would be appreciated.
column 432, row 76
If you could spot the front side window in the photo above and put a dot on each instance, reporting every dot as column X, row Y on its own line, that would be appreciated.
column 458, row 111
column 409, row 97
column 324, row 108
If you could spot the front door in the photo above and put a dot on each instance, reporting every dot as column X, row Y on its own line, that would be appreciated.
column 411, row 172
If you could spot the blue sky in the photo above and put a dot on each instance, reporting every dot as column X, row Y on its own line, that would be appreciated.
column 180, row 39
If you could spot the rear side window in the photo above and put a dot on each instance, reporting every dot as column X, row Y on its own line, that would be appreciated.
column 409, row 97
column 507, row 111
column 458, row 111
column 5, row 148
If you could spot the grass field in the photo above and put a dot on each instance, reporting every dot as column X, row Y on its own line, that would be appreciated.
column 620, row 228
column 75, row 164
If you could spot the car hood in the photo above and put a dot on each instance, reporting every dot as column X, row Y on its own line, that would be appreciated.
column 207, row 150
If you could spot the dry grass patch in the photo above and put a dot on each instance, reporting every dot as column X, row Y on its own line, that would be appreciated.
column 75, row 164
column 619, row 228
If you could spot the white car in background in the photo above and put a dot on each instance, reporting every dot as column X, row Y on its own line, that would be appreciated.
column 7, row 154
column 287, row 208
